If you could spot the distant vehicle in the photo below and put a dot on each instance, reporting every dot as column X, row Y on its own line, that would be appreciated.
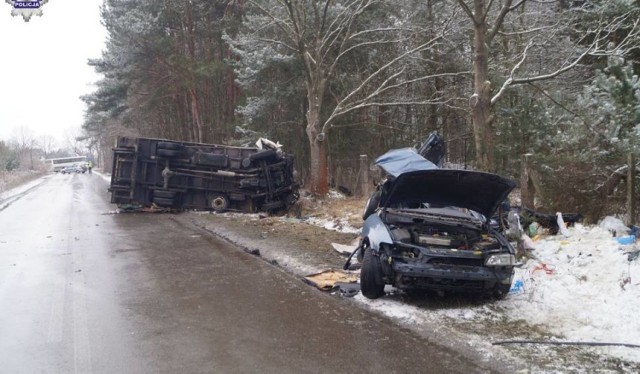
column 181, row 175
column 72, row 169
column 57, row 164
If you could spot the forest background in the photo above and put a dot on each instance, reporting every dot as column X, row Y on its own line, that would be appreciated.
column 332, row 80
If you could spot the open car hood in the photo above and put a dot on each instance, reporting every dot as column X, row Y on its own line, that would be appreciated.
column 398, row 161
column 478, row 191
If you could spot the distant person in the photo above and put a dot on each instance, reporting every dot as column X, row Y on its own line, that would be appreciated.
column 90, row 166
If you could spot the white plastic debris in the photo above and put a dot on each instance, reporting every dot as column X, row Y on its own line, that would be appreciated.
column 562, row 228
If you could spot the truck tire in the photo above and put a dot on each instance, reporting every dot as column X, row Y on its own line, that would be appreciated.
column 371, row 283
column 167, row 153
column 219, row 203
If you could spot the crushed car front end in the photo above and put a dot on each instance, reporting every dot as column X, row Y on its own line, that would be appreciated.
column 439, row 249
column 429, row 229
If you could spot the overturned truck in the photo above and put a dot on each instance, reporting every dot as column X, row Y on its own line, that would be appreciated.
column 168, row 174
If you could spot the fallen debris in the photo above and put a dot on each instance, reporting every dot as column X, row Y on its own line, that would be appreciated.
column 344, row 250
column 328, row 280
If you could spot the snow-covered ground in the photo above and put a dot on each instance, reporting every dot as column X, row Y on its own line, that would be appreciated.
column 584, row 287
column 9, row 196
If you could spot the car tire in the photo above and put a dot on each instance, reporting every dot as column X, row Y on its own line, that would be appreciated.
column 219, row 203
column 371, row 283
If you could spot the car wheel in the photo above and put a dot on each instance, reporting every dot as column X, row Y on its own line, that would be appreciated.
column 371, row 283
column 219, row 203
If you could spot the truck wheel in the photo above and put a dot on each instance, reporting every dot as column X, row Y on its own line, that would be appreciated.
column 219, row 203
column 371, row 283
column 167, row 153
column 169, row 145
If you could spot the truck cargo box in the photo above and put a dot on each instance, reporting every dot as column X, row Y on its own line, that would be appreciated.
column 163, row 173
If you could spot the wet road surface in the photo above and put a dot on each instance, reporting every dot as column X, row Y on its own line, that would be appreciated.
column 85, row 291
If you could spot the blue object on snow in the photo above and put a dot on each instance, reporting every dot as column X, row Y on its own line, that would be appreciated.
column 517, row 287
column 629, row 239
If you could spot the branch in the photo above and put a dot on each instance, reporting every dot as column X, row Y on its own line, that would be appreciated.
column 507, row 83
column 506, row 8
column 467, row 10
column 593, row 49
column 556, row 102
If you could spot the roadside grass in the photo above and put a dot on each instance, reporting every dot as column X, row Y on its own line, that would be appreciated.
column 12, row 179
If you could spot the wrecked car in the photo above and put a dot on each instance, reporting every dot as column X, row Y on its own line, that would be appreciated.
column 429, row 228
column 182, row 175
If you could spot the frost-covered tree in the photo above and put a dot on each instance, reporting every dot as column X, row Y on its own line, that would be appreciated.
column 319, row 38
column 521, row 42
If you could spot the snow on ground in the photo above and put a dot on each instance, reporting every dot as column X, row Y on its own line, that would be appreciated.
column 19, row 189
column 105, row 176
column 582, row 288
column 339, row 224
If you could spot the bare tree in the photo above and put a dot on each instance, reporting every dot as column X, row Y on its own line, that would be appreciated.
column 544, row 26
column 47, row 144
column 320, row 35
column 24, row 141
column 76, row 141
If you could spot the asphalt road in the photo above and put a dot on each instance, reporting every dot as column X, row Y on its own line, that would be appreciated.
column 83, row 290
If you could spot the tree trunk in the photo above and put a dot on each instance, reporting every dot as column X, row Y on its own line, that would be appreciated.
column 196, row 115
column 319, row 178
column 481, row 103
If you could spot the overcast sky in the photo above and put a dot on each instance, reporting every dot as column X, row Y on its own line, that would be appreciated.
column 44, row 70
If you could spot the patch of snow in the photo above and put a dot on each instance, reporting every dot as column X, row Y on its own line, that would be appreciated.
column 337, row 224
column 336, row 195
column 582, row 287
column 393, row 309
column 105, row 176
column 614, row 224
column 21, row 189
column 578, row 288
